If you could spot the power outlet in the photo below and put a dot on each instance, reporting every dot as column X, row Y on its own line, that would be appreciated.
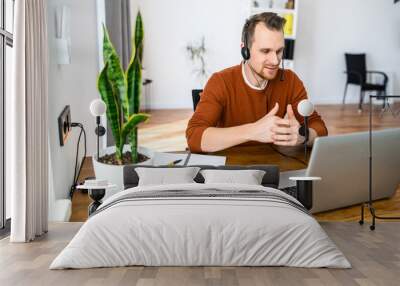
column 64, row 124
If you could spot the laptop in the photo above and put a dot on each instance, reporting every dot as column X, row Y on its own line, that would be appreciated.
column 342, row 163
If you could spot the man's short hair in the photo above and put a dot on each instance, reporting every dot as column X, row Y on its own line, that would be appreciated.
column 271, row 20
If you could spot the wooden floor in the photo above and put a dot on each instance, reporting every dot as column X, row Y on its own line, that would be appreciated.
column 375, row 259
column 166, row 132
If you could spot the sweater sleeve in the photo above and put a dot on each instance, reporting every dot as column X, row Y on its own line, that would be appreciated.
column 315, row 121
column 208, row 112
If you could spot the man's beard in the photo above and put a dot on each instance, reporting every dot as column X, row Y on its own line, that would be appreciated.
column 263, row 75
column 267, row 76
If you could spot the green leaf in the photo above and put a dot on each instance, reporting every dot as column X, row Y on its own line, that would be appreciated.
column 134, row 71
column 134, row 77
column 133, row 139
column 110, row 97
column 115, row 73
column 139, row 35
column 132, row 122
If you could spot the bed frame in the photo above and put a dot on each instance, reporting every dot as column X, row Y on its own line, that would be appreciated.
column 270, row 179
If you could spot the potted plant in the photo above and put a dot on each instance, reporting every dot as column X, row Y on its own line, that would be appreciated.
column 120, row 90
column 197, row 55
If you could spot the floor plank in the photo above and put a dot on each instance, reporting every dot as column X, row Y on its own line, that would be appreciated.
column 375, row 258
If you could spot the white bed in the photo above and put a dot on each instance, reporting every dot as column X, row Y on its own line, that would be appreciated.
column 202, row 231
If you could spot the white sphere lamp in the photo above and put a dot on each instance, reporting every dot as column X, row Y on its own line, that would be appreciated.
column 97, row 109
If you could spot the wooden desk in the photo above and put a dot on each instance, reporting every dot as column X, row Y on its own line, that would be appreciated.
column 265, row 154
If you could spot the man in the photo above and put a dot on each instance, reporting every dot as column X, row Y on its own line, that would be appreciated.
column 247, row 103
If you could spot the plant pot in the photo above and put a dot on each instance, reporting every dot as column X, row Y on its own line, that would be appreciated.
column 114, row 173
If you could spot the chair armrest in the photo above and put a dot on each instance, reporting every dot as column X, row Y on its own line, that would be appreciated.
column 385, row 76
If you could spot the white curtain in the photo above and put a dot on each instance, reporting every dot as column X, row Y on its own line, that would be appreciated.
column 28, row 116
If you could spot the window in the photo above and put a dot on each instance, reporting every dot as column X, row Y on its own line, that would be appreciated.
column 6, row 62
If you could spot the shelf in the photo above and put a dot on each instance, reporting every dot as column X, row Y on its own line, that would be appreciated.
column 291, row 16
column 291, row 37
column 279, row 11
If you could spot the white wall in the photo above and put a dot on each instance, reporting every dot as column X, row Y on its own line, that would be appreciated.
column 169, row 26
column 330, row 28
column 327, row 29
column 74, row 85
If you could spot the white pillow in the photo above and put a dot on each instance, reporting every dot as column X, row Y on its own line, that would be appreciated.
column 166, row 176
column 248, row 177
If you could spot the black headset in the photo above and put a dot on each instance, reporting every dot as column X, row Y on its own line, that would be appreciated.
column 245, row 51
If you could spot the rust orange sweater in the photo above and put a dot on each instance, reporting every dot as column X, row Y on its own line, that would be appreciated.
column 228, row 101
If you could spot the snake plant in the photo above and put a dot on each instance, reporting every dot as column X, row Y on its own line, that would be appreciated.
column 120, row 90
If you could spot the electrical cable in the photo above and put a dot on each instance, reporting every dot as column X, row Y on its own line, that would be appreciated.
column 77, row 174
column 254, row 75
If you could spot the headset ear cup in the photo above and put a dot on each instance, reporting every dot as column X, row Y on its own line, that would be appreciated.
column 245, row 53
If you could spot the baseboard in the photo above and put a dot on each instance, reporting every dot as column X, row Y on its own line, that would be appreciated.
column 62, row 211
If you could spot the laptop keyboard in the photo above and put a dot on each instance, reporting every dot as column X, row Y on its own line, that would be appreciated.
column 292, row 191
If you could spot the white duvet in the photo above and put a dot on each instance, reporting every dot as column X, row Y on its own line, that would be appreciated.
column 200, row 231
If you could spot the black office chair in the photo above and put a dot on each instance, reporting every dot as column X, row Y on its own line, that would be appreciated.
column 196, row 97
column 357, row 74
